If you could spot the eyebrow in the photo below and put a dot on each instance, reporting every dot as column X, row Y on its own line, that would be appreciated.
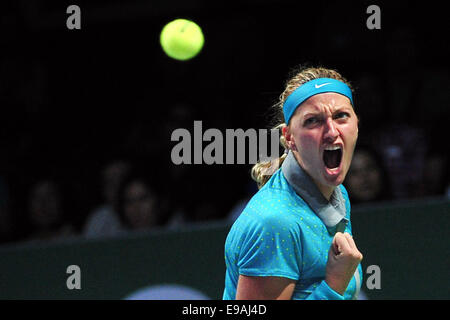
column 311, row 114
column 317, row 113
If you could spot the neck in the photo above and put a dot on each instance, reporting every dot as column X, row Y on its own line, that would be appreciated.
column 326, row 191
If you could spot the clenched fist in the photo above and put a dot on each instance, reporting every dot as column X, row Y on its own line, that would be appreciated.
column 343, row 259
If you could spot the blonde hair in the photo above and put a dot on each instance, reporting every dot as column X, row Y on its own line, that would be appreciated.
column 263, row 170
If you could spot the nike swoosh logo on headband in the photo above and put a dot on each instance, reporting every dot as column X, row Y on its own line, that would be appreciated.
column 321, row 85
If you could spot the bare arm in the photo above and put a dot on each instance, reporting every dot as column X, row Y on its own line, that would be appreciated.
column 264, row 288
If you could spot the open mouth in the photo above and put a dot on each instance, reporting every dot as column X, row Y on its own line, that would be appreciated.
column 332, row 156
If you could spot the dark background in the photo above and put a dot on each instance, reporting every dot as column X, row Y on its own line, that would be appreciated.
column 72, row 100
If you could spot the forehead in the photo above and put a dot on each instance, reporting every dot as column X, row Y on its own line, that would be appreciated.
column 328, row 100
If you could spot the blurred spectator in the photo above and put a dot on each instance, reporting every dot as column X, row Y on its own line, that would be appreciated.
column 403, row 75
column 413, row 123
column 139, row 207
column 202, row 195
column 436, row 176
column 46, row 211
column 403, row 149
column 434, row 100
column 366, row 180
column 370, row 103
column 179, row 198
column 6, row 221
column 104, row 220
column 435, row 104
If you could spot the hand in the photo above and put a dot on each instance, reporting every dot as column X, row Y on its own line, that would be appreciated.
column 343, row 259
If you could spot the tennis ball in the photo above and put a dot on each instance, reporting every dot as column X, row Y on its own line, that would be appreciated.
column 181, row 39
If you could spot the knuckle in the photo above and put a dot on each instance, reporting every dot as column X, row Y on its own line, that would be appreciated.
column 356, row 255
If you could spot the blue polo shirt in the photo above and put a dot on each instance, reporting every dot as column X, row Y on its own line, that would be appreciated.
column 283, row 234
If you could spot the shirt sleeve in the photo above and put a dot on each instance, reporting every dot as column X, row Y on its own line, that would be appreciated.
column 324, row 292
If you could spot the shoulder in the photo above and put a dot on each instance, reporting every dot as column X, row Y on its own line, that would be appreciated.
column 274, row 207
column 344, row 191
column 274, row 202
column 276, row 191
column 277, row 182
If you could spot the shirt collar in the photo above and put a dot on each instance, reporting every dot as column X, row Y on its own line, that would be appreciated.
column 333, row 212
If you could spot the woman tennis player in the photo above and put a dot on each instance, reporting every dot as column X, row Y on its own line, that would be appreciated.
column 293, row 240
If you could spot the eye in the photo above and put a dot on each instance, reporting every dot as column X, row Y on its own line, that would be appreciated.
column 342, row 115
column 311, row 121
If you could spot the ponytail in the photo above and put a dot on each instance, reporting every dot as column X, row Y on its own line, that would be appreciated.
column 263, row 170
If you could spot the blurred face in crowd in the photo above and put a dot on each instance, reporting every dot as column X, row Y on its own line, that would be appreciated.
column 112, row 176
column 45, row 204
column 364, row 178
column 322, row 135
column 139, row 205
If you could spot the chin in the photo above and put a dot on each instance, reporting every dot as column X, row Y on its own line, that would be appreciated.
column 334, row 182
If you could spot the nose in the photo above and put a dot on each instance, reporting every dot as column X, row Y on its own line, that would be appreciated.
column 330, row 131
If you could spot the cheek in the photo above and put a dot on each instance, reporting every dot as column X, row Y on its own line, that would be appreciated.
column 307, row 146
column 350, row 135
column 307, row 141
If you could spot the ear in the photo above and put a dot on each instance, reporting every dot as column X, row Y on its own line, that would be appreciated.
column 289, row 138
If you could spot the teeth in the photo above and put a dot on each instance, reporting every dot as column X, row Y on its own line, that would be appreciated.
column 332, row 148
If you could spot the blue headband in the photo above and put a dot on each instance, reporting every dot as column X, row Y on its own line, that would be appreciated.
column 310, row 89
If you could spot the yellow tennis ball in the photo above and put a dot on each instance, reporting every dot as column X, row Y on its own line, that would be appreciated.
column 181, row 39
